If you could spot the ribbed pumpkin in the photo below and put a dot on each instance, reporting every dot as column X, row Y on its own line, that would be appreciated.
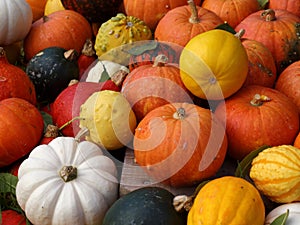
column 151, row 11
column 227, row 200
column 276, row 173
column 37, row 7
column 182, row 23
column 257, row 116
column 278, row 30
column 65, row 28
column 288, row 83
column 180, row 144
column 292, row 6
column 231, row 11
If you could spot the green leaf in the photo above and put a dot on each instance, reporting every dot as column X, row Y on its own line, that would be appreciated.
column 263, row 3
column 225, row 26
column 245, row 165
column 47, row 118
column 281, row 220
column 104, row 75
column 8, row 199
column 140, row 49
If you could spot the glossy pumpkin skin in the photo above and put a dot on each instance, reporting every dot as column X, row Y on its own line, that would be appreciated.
column 288, row 83
column 292, row 6
column 16, row 17
column 214, row 64
column 37, row 7
column 14, row 82
column 275, row 172
column 21, row 129
column 65, row 28
column 178, row 26
column 227, row 200
column 249, row 125
column 180, row 144
column 278, row 30
column 231, row 11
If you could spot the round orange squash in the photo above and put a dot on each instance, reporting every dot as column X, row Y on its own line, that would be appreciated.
column 37, row 7
column 180, row 144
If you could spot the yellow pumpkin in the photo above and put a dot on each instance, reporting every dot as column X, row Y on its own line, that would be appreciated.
column 214, row 64
column 276, row 173
column 227, row 200
column 53, row 6
column 108, row 117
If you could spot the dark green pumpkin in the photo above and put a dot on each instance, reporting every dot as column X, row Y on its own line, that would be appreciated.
column 51, row 70
column 147, row 206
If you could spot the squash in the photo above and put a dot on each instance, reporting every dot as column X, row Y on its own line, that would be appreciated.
column 53, row 6
column 293, row 216
column 37, row 7
column 180, row 144
column 51, row 70
column 276, row 173
column 214, row 64
column 80, row 182
column 20, row 130
column 16, row 19
column 12, row 217
column 227, row 200
column 108, row 119
column 146, row 205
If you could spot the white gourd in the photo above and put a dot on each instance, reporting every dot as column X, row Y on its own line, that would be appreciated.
column 293, row 216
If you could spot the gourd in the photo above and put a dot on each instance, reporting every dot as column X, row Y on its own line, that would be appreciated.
column 214, row 64
column 80, row 182
column 227, row 200
column 146, row 205
column 180, row 144
column 293, row 216
column 275, row 172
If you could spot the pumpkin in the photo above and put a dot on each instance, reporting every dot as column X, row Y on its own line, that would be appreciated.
column 108, row 118
column 37, row 7
column 21, row 129
column 293, row 216
column 150, row 86
column 146, row 205
column 151, row 11
column 51, row 70
column 278, row 30
column 297, row 141
column 275, row 172
column 257, row 116
column 292, row 6
column 80, row 182
column 12, row 217
column 182, row 23
column 53, row 6
column 214, row 64
column 180, row 144
column 116, row 34
column 65, row 28
column 227, row 200
column 14, row 82
column 288, row 83
column 87, row 57
column 16, row 19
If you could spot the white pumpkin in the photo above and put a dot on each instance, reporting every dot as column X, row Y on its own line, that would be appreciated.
column 16, row 19
column 67, row 183
column 293, row 217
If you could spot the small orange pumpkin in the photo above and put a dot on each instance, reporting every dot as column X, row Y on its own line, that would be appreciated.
column 37, row 7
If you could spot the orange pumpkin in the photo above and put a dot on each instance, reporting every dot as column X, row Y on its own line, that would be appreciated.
column 289, row 82
column 151, row 11
column 37, row 7
column 180, row 144
column 278, row 30
column 179, row 25
column 257, row 116
column 297, row 141
column 231, row 11
column 292, row 6
column 65, row 28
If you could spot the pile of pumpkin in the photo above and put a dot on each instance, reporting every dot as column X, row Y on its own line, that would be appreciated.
column 184, row 84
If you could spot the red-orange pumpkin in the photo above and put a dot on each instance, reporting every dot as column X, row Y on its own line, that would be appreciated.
column 257, row 116
column 292, row 6
column 65, row 28
column 278, row 30
column 289, row 82
column 14, row 82
column 12, row 217
column 21, row 129
column 182, row 23
column 37, row 7
column 231, row 11
column 180, row 144
column 151, row 11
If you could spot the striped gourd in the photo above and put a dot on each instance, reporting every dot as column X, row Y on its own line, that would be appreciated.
column 276, row 173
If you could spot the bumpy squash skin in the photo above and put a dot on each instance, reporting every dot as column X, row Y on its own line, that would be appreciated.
column 147, row 206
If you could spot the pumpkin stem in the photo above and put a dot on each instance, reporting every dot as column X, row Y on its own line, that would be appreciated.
column 119, row 76
column 179, row 114
column 88, row 49
column 71, row 55
column 70, row 121
column 45, row 19
column 259, row 99
column 240, row 34
column 51, row 131
column 268, row 14
column 68, row 173
column 73, row 81
column 160, row 60
column 194, row 17
column 181, row 202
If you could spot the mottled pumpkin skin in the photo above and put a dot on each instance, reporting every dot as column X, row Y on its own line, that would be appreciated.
column 276, row 173
column 227, row 200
